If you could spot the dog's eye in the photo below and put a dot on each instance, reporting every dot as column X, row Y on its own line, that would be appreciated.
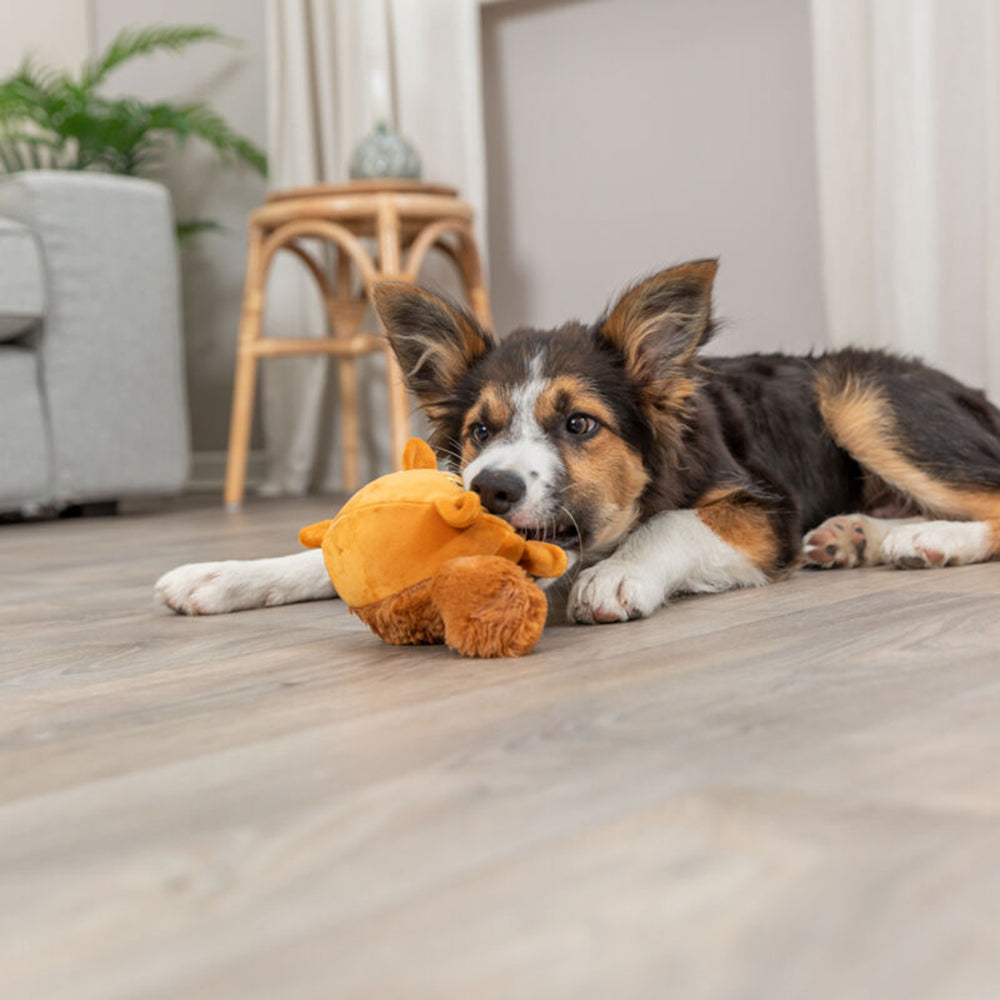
column 480, row 433
column 580, row 424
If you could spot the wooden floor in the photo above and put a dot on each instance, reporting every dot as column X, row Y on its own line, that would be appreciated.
column 785, row 793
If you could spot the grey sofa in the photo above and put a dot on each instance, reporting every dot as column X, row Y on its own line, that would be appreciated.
column 92, row 401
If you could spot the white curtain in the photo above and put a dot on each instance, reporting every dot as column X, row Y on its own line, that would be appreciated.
column 908, row 143
column 333, row 67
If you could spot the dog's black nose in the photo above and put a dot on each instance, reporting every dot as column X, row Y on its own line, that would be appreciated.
column 499, row 490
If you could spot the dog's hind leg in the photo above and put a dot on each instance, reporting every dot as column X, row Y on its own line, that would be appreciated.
column 850, row 540
column 931, row 544
column 933, row 441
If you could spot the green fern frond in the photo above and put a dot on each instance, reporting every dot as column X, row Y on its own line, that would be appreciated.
column 21, row 92
column 132, row 42
column 35, row 78
column 189, row 228
column 184, row 120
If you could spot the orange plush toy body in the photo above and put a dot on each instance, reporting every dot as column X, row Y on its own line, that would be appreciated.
column 418, row 560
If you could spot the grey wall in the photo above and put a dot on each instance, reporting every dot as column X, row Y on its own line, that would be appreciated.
column 232, row 81
column 625, row 135
column 53, row 31
column 622, row 135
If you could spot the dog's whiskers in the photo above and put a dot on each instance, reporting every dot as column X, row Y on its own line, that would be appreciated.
column 576, row 527
column 452, row 449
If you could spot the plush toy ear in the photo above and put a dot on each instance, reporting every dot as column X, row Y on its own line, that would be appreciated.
column 460, row 510
column 418, row 455
column 543, row 559
column 312, row 535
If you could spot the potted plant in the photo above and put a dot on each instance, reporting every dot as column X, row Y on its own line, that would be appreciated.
column 52, row 120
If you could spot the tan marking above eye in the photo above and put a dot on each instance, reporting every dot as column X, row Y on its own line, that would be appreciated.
column 491, row 408
column 566, row 395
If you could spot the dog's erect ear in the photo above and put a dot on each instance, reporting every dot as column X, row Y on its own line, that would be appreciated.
column 659, row 323
column 434, row 340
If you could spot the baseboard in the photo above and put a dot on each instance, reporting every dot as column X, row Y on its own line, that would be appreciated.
column 208, row 471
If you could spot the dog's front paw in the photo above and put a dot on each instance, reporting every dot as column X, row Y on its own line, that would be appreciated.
column 209, row 588
column 215, row 588
column 612, row 591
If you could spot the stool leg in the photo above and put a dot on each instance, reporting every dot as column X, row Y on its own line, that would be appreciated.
column 399, row 408
column 346, row 311
column 347, row 374
column 239, row 429
column 472, row 275
column 388, row 236
column 480, row 301
column 246, row 376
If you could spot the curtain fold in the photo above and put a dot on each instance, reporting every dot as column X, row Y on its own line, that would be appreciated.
column 908, row 150
column 333, row 67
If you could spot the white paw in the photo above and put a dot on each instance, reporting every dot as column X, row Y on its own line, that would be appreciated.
column 937, row 543
column 613, row 591
column 214, row 588
column 209, row 588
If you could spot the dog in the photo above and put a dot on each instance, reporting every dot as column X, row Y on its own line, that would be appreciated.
column 662, row 471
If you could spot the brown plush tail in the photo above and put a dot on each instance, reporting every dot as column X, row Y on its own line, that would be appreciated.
column 489, row 606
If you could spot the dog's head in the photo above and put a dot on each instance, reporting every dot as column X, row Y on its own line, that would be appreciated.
column 559, row 431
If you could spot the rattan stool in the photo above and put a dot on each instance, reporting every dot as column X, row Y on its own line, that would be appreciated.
column 404, row 218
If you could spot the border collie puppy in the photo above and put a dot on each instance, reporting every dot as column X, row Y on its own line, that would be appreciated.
column 664, row 472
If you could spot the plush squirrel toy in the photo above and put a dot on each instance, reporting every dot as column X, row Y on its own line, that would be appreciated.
column 418, row 560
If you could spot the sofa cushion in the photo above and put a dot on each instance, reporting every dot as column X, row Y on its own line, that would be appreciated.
column 25, row 475
column 22, row 280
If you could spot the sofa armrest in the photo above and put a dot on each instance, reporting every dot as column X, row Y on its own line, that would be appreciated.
column 111, row 345
column 22, row 297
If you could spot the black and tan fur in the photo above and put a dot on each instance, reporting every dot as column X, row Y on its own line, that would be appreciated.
column 763, row 447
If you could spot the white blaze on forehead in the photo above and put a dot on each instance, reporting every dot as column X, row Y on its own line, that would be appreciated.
column 524, row 449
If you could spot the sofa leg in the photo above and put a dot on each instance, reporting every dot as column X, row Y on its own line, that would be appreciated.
column 99, row 508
